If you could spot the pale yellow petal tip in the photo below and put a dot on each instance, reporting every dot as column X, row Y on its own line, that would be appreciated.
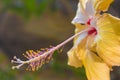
column 102, row 5
column 73, row 60
column 73, row 65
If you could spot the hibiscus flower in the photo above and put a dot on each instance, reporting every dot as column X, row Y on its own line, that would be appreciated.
column 96, row 42
column 98, row 48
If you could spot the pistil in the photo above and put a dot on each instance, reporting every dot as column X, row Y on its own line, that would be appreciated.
column 37, row 58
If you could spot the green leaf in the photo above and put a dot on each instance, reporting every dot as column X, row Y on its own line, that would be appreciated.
column 30, row 5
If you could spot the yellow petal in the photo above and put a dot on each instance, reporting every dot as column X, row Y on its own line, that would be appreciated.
column 108, row 40
column 87, row 43
column 102, row 5
column 95, row 68
column 109, row 23
column 91, row 43
column 79, row 27
column 109, row 52
column 73, row 59
column 81, row 49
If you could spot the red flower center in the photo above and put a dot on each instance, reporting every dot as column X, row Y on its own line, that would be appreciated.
column 92, row 29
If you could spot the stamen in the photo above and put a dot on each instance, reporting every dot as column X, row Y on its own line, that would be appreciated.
column 37, row 58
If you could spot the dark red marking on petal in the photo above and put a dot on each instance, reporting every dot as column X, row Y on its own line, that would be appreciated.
column 89, row 21
column 92, row 30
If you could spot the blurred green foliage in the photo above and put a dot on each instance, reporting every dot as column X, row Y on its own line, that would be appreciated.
column 7, row 74
column 61, row 67
column 26, row 7
column 56, row 67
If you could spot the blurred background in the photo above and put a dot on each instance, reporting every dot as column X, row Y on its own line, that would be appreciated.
column 35, row 24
